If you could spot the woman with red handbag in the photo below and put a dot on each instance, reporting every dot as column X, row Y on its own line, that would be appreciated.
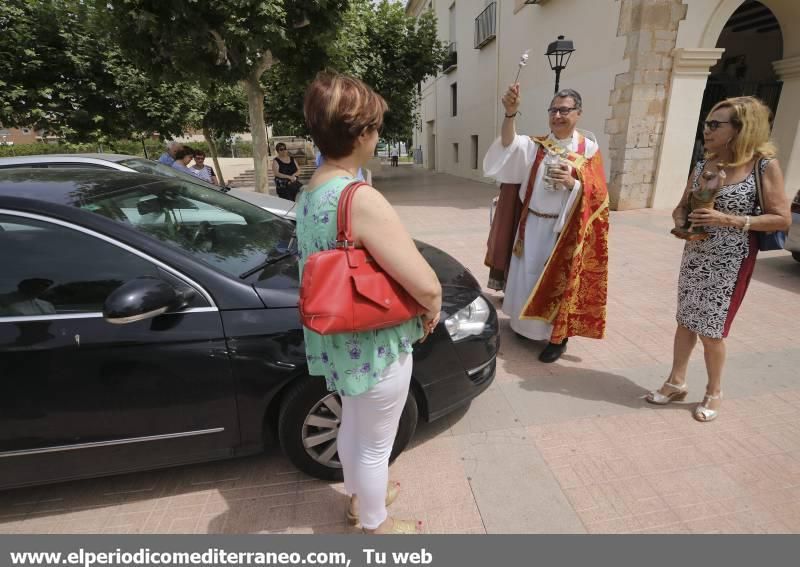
column 371, row 370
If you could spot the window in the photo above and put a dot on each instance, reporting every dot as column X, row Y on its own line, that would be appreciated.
column 485, row 25
column 52, row 270
column 231, row 235
column 455, row 153
column 474, row 151
column 454, row 99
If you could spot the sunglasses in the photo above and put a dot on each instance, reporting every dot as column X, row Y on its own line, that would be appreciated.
column 563, row 111
column 714, row 124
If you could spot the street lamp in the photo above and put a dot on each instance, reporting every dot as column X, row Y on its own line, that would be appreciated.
column 558, row 54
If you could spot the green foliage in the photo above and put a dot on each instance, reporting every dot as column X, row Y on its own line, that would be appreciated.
column 225, row 110
column 226, row 41
column 379, row 44
column 223, row 40
column 74, row 81
column 129, row 147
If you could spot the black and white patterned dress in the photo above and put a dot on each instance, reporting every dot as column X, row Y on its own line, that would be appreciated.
column 713, row 269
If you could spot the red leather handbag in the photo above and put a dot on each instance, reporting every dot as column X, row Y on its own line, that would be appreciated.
column 345, row 291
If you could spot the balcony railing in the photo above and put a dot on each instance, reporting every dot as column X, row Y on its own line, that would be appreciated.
column 451, row 60
column 485, row 26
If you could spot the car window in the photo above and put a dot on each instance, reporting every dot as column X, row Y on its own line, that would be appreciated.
column 225, row 232
column 24, row 166
column 48, row 269
column 73, row 165
column 155, row 168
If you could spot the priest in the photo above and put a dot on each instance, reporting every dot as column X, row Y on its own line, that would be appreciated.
column 557, row 272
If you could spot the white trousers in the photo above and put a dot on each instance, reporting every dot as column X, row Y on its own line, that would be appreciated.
column 366, row 435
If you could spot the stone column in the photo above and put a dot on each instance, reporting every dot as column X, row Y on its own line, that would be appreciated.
column 786, row 130
column 639, row 98
column 690, row 71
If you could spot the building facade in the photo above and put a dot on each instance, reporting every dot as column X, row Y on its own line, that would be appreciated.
column 648, row 71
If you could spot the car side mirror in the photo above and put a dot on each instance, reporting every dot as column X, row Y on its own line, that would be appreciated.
column 143, row 298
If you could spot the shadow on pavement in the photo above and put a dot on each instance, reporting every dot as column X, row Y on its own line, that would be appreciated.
column 413, row 186
column 778, row 269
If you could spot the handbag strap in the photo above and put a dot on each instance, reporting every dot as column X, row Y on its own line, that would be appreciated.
column 344, row 234
column 759, row 193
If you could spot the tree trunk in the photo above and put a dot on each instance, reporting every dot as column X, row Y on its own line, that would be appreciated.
column 213, row 147
column 258, row 129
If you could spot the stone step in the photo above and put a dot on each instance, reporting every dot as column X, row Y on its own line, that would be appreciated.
column 248, row 177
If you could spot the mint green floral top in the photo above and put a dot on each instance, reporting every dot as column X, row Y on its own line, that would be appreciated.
column 352, row 363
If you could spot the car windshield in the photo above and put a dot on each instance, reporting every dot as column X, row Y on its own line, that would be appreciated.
column 228, row 233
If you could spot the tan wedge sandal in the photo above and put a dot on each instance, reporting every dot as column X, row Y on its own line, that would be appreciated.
column 391, row 495
column 677, row 394
column 704, row 413
column 399, row 527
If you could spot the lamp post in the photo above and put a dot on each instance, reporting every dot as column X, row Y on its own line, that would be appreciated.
column 558, row 54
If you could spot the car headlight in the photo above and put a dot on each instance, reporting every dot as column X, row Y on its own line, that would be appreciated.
column 471, row 320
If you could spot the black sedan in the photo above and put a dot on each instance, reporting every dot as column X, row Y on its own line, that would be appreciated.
column 149, row 322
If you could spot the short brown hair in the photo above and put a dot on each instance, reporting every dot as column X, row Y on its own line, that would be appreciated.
column 183, row 152
column 751, row 118
column 338, row 108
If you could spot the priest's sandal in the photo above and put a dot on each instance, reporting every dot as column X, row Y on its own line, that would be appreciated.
column 676, row 394
column 553, row 352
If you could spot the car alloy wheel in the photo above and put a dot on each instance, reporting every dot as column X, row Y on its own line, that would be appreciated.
column 320, row 430
column 308, row 425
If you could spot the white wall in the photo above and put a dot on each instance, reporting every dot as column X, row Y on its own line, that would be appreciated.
column 483, row 75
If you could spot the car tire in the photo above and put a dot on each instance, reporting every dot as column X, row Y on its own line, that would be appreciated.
column 307, row 403
column 796, row 256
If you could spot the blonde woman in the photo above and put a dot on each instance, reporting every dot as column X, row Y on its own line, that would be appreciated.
column 371, row 371
column 715, row 272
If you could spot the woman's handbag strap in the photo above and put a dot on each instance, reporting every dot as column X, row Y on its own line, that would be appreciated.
column 344, row 235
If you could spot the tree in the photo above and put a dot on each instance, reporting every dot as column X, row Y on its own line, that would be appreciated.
column 75, row 82
column 284, row 103
column 392, row 52
column 231, row 41
column 225, row 113
column 49, row 70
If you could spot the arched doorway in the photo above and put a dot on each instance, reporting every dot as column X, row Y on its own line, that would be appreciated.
column 770, row 70
column 753, row 41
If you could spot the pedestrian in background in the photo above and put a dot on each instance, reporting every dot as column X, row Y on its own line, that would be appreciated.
column 168, row 157
column 201, row 170
column 183, row 157
column 284, row 168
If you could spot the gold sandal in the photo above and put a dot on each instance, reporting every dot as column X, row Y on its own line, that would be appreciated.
column 703, row 413
column 392, row 492
column 678, row 394
column 399, row 527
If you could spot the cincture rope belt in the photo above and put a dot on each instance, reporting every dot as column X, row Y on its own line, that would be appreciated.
column 542, row 215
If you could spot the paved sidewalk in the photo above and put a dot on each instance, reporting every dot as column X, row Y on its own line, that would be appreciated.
column 563, row 448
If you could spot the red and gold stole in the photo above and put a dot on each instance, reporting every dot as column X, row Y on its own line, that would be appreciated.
column 572, row 291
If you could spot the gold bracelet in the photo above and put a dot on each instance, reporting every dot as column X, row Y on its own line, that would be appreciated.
column 746, row 226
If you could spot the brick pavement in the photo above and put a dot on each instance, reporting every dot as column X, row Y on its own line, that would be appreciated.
column 562, row 448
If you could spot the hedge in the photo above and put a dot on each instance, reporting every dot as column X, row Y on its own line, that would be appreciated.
column 130, row 147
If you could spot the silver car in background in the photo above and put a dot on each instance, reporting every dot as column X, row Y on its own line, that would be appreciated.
column 122, row 162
